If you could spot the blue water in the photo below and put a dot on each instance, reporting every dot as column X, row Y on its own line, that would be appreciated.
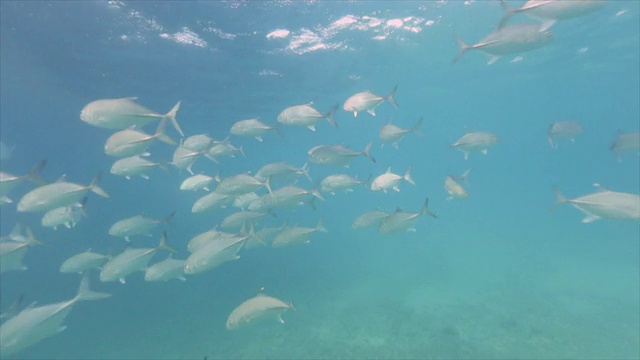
column 495, row 276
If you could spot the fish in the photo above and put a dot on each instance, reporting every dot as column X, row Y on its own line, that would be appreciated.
column 306, row 115
column 454, row 188
column 166, row 270
column 510, row 39
column 131, row 260
column 239, row 219
column 121, row 113
column 241, row 184
column 211, row 201
column 184, row 158
column 6, row 151
column 551, row 11
column 253, row 128
column 369, row 219
column 16, row 234
column 337, row 155
column 84, row 261
column 58, row 194
column 131, row 141
column 262, row 237
column 200, row 142
column 389, row 180
column 296, row 235
column 205, row 238
column 136, row 165
column 282, row 171
column 34, row 324
column 475, row 141
column 399, row 220
column 223, row 148
column 626, row 143
column 214, row 254
column 603, row 204
column 10, row 181
column 137, row 225
column 336, row 182
column 392, row 134
column 12, row 252
column 368, row 101
column 285, row 197
column 257, row 308
column 198, row 182
column 69, row 216
column 243, row 201
column 563, row 130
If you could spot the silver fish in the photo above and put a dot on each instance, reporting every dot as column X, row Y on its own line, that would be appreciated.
column 58, row 194
column 306, row 115
column 198, row 182
column 131, row 142
column 240, row 219
column 551, row 11
column 165, row 270
column 137, row 225
column 251, row 127
column 399, row 220
column 84, row 261
column 285, row 197
column 604, row 204
column 205, row 238
column 34, row 324
column 135, row 165
column 223, row 148
column 241, row 184
column 184, row 158
column 475, row 141
column 69, row 216
column 296, row 235
column 392, row 134
column 337, row 155
column 281, row 171
column 124, row 112
column 563, row 130
column 624, row 143
column 454, row 188
column 211, row 201
column 214, row 254
column 257, row 308
column 368, row 101
column 130, row 261
column 510, row 39
column 389, row 180
column 336, row 182
column 12, row 252
column 369, row 219
column 200, row 142
column 9, row 181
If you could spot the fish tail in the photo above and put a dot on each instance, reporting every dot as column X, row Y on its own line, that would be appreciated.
column 390, row 98
column 171, row 115
column 267, row 184
column 305, row 170
column 416, row 128
column 367, row 182
column 242, row 151
column 160, row 133
column 508, row 12
column 86, row 294
column 163, row 244
column 560, row 199
column 31, row 238
column 329, row 116
column 34, row 174
column 425, row 209
column 97, row 189
column 367, row 152
column 162, row 164
column 316, row 194
column 277, row 128
column 465, row 175
column 169, row 218
column 320, row 226
column 407, row 176
column 463, row 49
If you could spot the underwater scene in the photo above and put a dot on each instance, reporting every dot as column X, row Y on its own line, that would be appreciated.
column 320, row 179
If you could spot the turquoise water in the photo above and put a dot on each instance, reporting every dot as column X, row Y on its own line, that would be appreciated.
column 496, row 275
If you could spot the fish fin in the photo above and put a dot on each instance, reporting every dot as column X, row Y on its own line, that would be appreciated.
column 396, row 188
column 407, row 176
column 355, row 114
column 127, row 239
column 181, row 278
column 122, row 281
column 560, row 199
column 466, row 155
column 493, row 59
column 5, row 200
column 259, row 138
column 86, row 294
column 311, row 127
column 508, row 12
column 97, row 189
column 34, row 173
column 67, row 224
column 144, row 176
column 159, row 134
column 329, row 116
column 547, row 24
column 171, row 115
column 372, row 112
column 484, row 151
column 590, row 218
column 465, row 176
column 305, row 170
column 163, row 243
column 206, row 188
column 127, row 177
column 367, row 152
column 411, row 229
column 395, row 145
column 169, row 218
column 320, row 227
column 280, row 319
column 55, row 228
column 416, row 127
column 390, row 98
column 425, row 209
column 463, row 49
column 62, row 328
